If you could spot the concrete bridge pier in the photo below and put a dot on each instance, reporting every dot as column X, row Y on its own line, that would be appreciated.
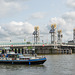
column 18, row 50
column 22, row 51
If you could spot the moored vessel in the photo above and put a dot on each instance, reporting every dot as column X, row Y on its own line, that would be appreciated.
column 16, row 58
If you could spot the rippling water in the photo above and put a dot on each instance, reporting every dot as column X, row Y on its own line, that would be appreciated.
column 55, row 65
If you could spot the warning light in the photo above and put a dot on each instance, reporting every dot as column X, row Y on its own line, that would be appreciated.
column 43, row 45
column 11, row 45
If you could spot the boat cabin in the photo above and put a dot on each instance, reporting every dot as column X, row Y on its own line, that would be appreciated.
column 21, row 57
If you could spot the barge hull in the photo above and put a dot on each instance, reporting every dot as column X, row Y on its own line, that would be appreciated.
column 29, row 62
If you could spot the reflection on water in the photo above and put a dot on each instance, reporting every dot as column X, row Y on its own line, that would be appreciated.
column 20, row 67
column 55, row 65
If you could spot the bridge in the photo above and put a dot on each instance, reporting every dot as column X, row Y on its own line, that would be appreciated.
column 40, row 47
column 22, row 44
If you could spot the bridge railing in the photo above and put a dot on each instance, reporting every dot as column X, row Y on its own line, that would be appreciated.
column 20, row 43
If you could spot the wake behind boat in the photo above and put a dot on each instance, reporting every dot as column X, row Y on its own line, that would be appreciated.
column 14, row 58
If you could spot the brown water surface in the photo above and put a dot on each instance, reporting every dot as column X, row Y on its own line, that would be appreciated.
column 55, row 65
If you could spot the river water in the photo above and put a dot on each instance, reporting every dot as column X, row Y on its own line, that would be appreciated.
column 55, row 65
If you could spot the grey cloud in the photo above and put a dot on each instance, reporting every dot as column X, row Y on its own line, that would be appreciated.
column 3, row 33
column 15, row 29
column 69, row 17
column 71, row 3
column 18, row 28
column 6, row 8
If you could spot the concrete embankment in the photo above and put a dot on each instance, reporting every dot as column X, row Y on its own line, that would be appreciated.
column 54, row 51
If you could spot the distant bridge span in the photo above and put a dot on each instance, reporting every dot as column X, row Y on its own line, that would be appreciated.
column 38, row 45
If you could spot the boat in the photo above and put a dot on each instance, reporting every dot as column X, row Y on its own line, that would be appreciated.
column 16, row 58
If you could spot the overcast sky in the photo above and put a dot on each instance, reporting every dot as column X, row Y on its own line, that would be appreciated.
column 18, row 18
